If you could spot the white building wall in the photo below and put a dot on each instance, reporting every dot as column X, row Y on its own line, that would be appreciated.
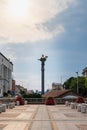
column 6, row 69
column 58, row 86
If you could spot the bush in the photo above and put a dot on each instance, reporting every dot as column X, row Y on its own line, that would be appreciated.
column 20, row 99
column 50, row 101
column 79, row 100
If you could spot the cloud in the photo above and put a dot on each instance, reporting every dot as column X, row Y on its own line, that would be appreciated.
column 14, row 56
column 31, row 82
column 10, row 54
column 39, row 12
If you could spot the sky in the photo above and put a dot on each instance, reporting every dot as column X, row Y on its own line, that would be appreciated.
column 55, row 28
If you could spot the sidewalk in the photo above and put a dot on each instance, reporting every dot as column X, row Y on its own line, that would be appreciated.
column 43, row 117
column 41, row 120
column 18, row 118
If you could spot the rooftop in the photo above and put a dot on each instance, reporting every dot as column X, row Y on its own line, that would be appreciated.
column 56, row 93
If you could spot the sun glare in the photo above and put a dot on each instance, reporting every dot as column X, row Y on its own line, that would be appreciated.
column 18, row 9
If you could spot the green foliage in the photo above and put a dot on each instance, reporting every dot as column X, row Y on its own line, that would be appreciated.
column 5, row 94
column 34, row 95
column 86, row 83
column 22, row 92
column 71, row 83
column 67, row 83
column 74, row 85
column 81, row 84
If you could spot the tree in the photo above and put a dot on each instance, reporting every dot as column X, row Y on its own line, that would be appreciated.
column 67, row 83
column 33, row 95
column 81, row 85
column 86, row 82
column 71, row 83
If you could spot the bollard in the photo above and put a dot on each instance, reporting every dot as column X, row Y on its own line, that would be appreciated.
column 25, row 102
column 18, row 103
column 83, row 109
column 79, row 107
column 0, row 108
column 10, row 105
column 3, row 107
column 72, row 105
column 67, row 103
column 13, row 104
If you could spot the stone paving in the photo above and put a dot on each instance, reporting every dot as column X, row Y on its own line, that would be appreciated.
column 43, row 117
column 69, row 119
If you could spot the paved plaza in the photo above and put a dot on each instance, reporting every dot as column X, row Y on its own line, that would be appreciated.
column 43, row 117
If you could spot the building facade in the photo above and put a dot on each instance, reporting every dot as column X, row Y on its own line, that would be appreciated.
column 57, row 86
column 6, row 69
column 84, row 72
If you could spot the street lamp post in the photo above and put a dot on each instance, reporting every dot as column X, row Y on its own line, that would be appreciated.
column 42, row 59
column 77, row 84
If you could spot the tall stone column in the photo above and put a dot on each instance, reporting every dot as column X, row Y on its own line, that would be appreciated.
column 42, row 59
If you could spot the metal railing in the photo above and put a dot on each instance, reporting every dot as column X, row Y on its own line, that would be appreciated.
column 37, row 100
column 43, row 100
